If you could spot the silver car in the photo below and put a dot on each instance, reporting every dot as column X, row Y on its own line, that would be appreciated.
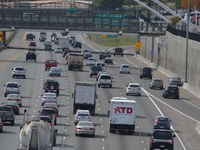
column 85, row 128
column 11, row 87
column 82, row 115
column 19, row 72
column 156, row 83
column 133, row 89
column 55, row 71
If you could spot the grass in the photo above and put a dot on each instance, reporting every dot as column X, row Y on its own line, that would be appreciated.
column 123, row 40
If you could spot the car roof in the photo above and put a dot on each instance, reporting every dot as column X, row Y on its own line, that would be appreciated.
column 19, row 67
column 48, row 93
column 50, row 105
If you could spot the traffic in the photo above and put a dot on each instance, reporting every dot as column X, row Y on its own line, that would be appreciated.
column 74, row 101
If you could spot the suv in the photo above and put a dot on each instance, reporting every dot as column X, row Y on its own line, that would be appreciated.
column 171, row 91
column 94, row 70
column 162, row 139
column 50, row 85
column 105, row 80
column 118, row 51
column 7, row 114
column 146, row 72
column 19, row 72
column 31, row 56
column 30, row 36
column 161, row 122
column 11, row 87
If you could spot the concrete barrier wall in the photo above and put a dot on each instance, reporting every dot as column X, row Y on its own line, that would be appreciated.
column 173, row 56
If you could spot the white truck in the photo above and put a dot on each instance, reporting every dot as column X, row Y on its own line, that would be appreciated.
column 84, row 97
column 63, row 42
column 37, row 135
column 122, row 115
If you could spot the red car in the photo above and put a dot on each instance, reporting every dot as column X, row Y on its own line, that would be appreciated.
column 50, row 63
column 52, row 105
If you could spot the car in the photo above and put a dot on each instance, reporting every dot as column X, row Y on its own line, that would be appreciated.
column 15, row 97
column 53, row 34
column 65, row 33
column 118, row 51
column 105, row 80
column 58, row 50
column 31, row 56
column 103, row 54
column 175, row 81
column 52, row 86
column 108, row 61
column 91, row 61
column 30, row 36
column 82, row 115
column 11, row 87
column 85, row 128
column 99, row 73
column 52, row 105
column 47, row 42
column 50, row 63
column 133, row 89
column 47, row 118
column 19, row 71
column 1, row 126
column 161, row 122
column 55, row 71
column 124, row 68
column 42, row 38
column 43, row 34
column 84, row 51
column 48, row 47
column 162, row 139
column 32, row 43
column 94, row 70
column 146, row 72
column 14, row 106
column 49, row 112
column 171, row 91
column 7, row 114
column 87, row 55
column 156, row 83
column 77, row 44
column 49, row 97
column 102, row 65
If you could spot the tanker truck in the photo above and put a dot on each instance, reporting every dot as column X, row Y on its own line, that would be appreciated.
column 37, row 135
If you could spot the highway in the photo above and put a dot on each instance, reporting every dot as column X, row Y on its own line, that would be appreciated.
column 183, row 114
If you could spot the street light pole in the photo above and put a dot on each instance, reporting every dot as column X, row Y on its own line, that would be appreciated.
column 187, row 40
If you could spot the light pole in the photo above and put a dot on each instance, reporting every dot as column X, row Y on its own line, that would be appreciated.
column 187, row 40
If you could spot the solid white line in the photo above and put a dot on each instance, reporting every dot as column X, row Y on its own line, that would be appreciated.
column 191, row 104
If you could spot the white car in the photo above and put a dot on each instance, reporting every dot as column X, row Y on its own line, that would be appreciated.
column 85, row 51
column 82, row 115
column 133, row 89
column 58, row 50
column 124, row 68
column 15, row 97
column 11, row 87
column 91, row 61
column 19, row 71
column 102, row 65
column 49, row 97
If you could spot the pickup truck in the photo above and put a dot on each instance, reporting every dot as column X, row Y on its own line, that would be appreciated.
column 50, row 63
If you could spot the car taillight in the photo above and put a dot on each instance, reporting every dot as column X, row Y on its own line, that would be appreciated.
column 78, row 128
column 129, row 88
column 91, row 129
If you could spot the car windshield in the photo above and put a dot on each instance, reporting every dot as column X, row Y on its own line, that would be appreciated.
column 5, row 109
column 136, row 86
column 162, row 135
column 46, row 119
column 163, row 119
column 12, row 85
column 171, row 88
column 20, row 69
column 105, row 77
column 13, row 96
column 176, row 79
column 48, row 111
column 147, row 69
column 125, row 66
column 49, row 95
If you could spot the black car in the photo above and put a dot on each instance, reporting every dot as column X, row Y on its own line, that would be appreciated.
column 118, row 51
column 171, row 91
column 104, row 54
column 161, row 122
column 94, row 70
column 30, row 36
column 50, row 85
column 77, row 44
column 146, row 72
column 162, row 139
column 108, row 61
column 30, row 56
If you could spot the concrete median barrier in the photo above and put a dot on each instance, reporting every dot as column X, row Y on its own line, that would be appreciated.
column 9, row 37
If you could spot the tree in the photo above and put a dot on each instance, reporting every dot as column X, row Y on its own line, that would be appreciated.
column 107, row 4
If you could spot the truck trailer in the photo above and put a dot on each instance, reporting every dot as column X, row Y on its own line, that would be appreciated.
column 84, row 97
column 122, row 115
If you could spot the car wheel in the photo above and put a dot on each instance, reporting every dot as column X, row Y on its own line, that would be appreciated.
column 98, row 85
column 110, row 86
column 13, row 76
column 24, row 77
column 139, row 94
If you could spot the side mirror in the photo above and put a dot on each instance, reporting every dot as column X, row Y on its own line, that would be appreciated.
column 72, row 95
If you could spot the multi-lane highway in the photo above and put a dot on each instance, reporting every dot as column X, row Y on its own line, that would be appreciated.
column 183, row 113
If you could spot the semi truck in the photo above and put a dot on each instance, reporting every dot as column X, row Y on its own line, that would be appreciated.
column 75, row 61
column 84, row 97
column 122, row 115
column 37, row 135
